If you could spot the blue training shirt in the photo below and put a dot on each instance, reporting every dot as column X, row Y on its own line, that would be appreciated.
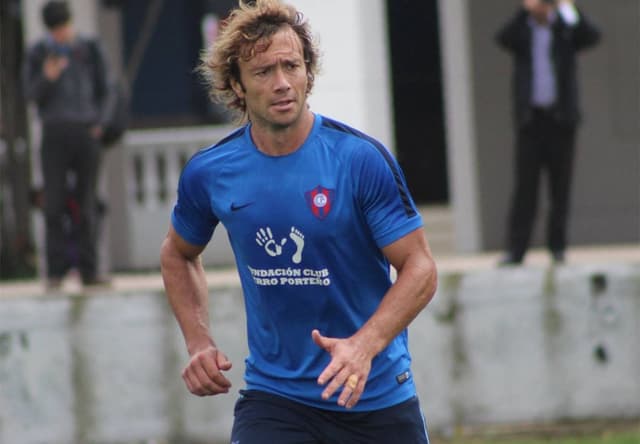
column 306, row 230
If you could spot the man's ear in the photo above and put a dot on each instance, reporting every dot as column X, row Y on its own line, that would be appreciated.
column 238, row 88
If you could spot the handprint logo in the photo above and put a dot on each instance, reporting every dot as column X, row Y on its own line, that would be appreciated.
column 264, row 238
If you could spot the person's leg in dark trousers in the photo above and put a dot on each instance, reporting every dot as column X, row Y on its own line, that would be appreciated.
column 85, row 164
column 560, row 171
column 524, row 200
column 55, row 159
column 70, row 148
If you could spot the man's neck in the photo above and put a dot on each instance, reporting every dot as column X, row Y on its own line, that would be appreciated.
column 541, row 19
column 275, row 141
column 544, row 19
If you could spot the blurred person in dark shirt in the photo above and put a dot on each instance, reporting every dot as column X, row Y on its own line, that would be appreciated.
column 65, row 75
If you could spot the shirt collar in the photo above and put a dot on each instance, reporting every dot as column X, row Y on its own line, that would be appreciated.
column 553, row 16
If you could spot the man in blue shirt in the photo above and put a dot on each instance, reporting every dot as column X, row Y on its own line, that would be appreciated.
column 316, row 213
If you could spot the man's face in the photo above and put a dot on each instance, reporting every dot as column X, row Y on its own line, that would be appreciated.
column 62, row 34
column 274, row 82
column 542, row 9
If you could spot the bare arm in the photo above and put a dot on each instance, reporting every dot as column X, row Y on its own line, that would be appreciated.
column 411, row 292
column 186, row 288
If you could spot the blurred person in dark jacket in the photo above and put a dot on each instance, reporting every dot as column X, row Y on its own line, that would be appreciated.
column 65, row 75
column 544, row 38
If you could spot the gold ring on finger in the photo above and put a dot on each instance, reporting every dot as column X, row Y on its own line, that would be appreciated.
column 352, row 382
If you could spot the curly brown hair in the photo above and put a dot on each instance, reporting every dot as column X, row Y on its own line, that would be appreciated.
column 251, row 23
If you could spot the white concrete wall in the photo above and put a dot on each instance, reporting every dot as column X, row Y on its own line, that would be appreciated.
column 494, row 346
column 354, row 84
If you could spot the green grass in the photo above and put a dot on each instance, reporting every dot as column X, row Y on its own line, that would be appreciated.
column 628, row 436
column 615, row 438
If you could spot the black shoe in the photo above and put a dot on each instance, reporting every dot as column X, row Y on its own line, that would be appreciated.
column 510, row 260
column 558, row 257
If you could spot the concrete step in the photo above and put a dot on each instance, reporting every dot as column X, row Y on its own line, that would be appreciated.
column 438, row 221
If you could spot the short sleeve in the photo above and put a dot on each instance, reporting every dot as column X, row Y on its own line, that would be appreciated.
column 192, row 217
column 383, row 194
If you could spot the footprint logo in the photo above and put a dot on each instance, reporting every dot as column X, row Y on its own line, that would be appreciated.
column 298, row 239
column 264, row 238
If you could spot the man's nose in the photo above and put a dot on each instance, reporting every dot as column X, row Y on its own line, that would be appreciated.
column 281, row 81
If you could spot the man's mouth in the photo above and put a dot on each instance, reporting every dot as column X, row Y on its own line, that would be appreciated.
column 282, row 103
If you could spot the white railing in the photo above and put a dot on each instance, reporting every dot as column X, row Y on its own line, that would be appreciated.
column 141, row 180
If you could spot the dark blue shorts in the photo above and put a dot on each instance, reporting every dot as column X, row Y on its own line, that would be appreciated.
column 262, row 418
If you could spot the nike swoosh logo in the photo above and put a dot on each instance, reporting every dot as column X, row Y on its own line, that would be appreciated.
column 236, row 207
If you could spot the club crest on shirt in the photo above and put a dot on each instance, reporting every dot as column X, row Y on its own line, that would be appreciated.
column 320, row 200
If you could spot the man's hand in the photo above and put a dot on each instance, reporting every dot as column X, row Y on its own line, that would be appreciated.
column 54, row 66
column 349, row 368
column 203, row 374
